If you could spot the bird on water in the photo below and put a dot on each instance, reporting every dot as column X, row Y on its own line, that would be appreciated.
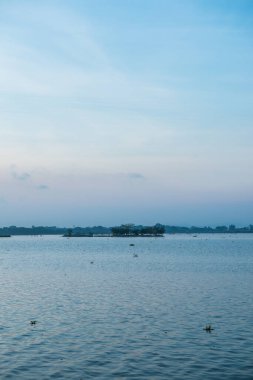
column 208, row 328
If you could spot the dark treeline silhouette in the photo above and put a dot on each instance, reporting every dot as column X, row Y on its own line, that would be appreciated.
column 123, row 230
column 132, row 230
column 40, row 230
column 45, row 230
column 219, row 229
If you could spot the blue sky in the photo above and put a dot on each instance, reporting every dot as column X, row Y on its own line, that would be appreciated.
column 126, row 111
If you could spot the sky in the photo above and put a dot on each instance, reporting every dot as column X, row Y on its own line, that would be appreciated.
column 134, row 111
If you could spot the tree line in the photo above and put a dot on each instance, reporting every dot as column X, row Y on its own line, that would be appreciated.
column 132, row 230
column 122, row 230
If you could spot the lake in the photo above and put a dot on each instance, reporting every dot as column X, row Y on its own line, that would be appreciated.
column 108, row 310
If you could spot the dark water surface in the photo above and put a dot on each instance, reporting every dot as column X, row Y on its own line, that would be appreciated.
column 126, row 317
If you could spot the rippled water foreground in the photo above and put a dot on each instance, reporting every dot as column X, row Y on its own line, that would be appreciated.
column 108, row 310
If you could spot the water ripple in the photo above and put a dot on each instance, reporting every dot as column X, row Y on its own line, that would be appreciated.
column 125, row 317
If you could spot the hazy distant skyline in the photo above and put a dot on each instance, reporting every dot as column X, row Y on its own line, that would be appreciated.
column 126, row 111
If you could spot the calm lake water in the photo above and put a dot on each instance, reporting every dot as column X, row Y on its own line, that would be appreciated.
column 126, row 317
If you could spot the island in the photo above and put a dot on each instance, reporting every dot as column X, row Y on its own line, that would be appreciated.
column 130, row 230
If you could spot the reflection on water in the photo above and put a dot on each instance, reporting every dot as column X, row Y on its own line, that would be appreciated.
column 106, row 309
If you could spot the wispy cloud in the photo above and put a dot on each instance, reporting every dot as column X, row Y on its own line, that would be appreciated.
column 135, row 176
column 68, row 62
column 23, row 176
column 42, row 187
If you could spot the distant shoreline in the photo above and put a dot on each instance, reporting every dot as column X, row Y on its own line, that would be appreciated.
column 124, row 230
column 129, row 236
